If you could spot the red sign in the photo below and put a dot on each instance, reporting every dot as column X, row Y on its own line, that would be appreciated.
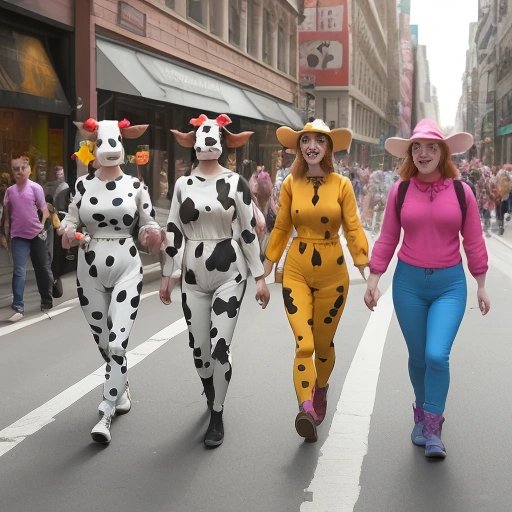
column 323, row 42
column 132, row 19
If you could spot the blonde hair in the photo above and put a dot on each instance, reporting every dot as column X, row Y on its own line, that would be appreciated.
column 299, row 166
column 446, row 166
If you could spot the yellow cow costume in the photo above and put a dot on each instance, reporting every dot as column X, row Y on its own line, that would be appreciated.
column 315, row 278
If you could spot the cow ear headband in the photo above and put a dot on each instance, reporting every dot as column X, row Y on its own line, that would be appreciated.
column 89, row 131
column 232, row 140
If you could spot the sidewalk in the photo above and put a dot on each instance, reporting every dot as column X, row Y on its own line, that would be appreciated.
column 506, row 238
column 31, row 297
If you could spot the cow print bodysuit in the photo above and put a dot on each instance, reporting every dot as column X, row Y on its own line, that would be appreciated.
column 109, row 271
column 212, row 244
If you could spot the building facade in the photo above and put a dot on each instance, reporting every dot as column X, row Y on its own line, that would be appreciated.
column 156, row 62
column 349, row 64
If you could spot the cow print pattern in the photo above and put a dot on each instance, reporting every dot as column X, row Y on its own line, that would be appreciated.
column 109, row 271
column 315, row 282
column 211, row 239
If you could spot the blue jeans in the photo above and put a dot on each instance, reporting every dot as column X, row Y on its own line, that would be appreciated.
column 21, row 248
column 429, row 305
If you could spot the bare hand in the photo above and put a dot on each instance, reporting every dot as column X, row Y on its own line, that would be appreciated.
column 484, row 303
column 152, row 238
column 167, row 285
column 3, row 241
column 68, row 237
column 371, row 297
column 262, row 294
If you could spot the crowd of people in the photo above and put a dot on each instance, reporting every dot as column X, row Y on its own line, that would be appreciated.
column 223, row 228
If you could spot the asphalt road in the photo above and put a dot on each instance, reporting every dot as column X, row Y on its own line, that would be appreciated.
column 363, row 461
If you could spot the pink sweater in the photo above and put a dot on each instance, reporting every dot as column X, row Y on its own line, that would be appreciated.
column 431, row 219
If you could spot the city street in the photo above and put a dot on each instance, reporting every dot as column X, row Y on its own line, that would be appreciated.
column 50, row 375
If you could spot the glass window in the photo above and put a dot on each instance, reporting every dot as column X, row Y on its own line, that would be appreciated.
column 216, row 18
column 197, row 10
column 266, row 39
column 234, row 22
column 281, row 49
column 251, row 30
column 293, row 54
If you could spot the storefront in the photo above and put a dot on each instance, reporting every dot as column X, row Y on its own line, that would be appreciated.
column 147, row 89
column 34, row 108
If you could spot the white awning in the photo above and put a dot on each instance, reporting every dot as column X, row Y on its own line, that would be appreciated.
column 126, row 70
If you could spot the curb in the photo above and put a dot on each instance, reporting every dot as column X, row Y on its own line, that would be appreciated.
column 502, row 240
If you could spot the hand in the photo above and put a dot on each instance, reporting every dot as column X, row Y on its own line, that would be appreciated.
column 152, row 238
column 262, row 294
column 3, row 241
column 484, row 303
column 167, row 284
column 68, row 237
column 267, row 267
column 371, row 297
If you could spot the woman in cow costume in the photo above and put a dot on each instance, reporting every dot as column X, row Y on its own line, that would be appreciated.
column 212, row 246
column 107, row 203
column 317, row 202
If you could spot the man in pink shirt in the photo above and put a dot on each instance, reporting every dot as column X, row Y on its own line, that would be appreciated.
column 25, row 230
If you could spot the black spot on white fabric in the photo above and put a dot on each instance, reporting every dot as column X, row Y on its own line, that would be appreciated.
column 223, row 189
column 127, row 220
column 221, row 352
column 89, row 257
column 188, row 211
column 230, row 307
column 190, row 277
column 221, row 257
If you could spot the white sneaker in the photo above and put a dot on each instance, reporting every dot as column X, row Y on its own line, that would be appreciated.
column 101, row 431
column 123, row 403
column 15, row 317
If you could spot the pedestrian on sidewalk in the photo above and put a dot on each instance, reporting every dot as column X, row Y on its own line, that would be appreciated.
column 105, row 206
column 317, row 202
column 429, row 284
column 212, row 246
column 24, row 215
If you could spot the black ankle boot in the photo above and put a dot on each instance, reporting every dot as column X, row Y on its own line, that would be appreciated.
column 215, row 433
column 209, row 391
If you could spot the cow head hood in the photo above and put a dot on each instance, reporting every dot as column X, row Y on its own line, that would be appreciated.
column 107, row 137
column 210, row 137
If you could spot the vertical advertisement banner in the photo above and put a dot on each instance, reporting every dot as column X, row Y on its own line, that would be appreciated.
column 323, row 43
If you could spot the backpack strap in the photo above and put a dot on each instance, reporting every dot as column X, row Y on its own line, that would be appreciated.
column 400, row 196
column 461, row 197
column 459, row 191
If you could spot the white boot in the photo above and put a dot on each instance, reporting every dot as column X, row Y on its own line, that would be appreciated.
column 123, row 403
column 101, row 431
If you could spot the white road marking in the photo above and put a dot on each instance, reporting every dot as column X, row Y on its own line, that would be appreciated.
column 18, row 431
column 335, row 485
column 56, row 311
